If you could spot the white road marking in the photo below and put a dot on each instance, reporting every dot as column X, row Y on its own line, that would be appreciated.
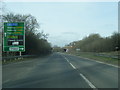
column 70, row 63
column 97, row 61
column 108, row 64
column 101, row 62
column 72, row 66
column 67, row 59
column 89, row 83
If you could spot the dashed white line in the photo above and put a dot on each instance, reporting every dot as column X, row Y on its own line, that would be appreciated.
column 73, row 66
column 70, row 63
column 89, row 83
column 67, row 59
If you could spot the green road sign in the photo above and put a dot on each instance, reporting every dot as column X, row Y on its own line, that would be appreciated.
column 14, row 36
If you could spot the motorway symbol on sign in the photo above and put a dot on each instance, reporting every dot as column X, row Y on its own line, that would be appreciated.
column 14, row 36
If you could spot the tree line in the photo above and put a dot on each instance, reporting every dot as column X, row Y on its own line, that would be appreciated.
column 35, row 41
column 96, row 43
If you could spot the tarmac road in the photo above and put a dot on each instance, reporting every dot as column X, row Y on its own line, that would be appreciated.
column 59, row 71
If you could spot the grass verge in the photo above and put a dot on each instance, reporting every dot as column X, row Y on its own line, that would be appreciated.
column 4, row 62
column 90, row 55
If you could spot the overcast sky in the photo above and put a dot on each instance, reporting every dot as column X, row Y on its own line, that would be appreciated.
column 70, row 21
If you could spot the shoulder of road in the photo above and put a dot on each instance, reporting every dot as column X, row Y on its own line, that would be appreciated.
column 95, row 60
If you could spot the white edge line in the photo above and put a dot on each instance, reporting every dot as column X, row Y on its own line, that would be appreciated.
column 101, row 62
column 90, row 84
column 97, row 61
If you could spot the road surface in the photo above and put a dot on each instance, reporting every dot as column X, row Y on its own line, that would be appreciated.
column 59, row 71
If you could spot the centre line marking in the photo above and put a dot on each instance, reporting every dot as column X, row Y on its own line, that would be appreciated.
column 70, row 63
column 89, row 83
column 73, row 66
column 67, row 59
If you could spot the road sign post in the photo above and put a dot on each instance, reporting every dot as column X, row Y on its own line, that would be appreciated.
column 14, row 37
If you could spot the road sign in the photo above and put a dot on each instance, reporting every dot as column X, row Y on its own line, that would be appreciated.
column 14, row 36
